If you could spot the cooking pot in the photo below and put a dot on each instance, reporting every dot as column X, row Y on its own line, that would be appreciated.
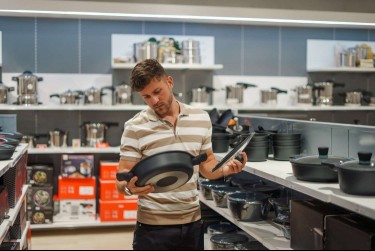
column 4, row 93
column 69, row 97
column 227, row 241
column 269, row 97
column 220, row 195
column 58, row 138
column 202, row 95
column 207, row 186
column 221, row 228
column 27, row 88
column 356, row 176
column 304, row 95
column 235, row 94
column 6, row 151
column 94, row 95
column 312, row 167
column 123, row 94
column 323, row 92
column 95, row 132
column 30, row 140
column 165, row 171
column 249, row 206
column 145, row 50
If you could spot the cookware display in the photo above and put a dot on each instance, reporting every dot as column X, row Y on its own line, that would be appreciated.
column 165, row 171
column 304, row 95
column 69, row 97
column 356, row 176
column 249, row 206
column 286, row 145
column 312, row 167
column 202, row 95
column 221, row 228
column 323, row 92
column 243, row 179
column 227, row 241
column 258, row 148
column 4, row 90
column 6, row 151
column 95, row 132
column 221, row 142
column 207, row 186
column 94, row 95
column 220, row 195
column 122, row 94
column 145, row 50
column 269, row 97
column 9, row 141
column 58, row 138
column 27, row 88
column 235, row 94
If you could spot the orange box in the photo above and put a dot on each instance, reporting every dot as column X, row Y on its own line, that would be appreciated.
column 118, row 210
column 108, row 192
column 108, row 170
column 70, row 188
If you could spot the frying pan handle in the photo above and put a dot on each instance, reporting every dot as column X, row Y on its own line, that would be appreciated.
column 124, row 176
column 199, row 159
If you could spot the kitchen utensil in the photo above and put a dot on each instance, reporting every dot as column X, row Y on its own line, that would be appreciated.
column 207, row 186
column 221, row 228
column 11, row 135
column 4, row 90
column 122, row 94
column 145, row 50
column 323, row 92
column 356, row 176
column 6, row 151
column 312, row 168
column 227, row 241
column 283, row 153
column 202, row 95
column 248, row 206
column 69, row 97
column 9, row 141
column 353, row 98
column 235, row 152
column 269, row 97
column 27, row 88
column 304, row 95
column 58, row 138
column 225, row 117
column 95, row 132
column 220, row 195
column 94, row 95
column 165, row 171
column 235, row 94
column 220, row 142
column 191, row 51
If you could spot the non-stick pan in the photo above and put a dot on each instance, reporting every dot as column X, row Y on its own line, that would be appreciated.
column 165, row 171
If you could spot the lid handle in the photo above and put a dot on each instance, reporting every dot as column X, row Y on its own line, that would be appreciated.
column 364, row 158
column 323, row 152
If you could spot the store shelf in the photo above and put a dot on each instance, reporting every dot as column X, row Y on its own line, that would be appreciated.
column 343, row 69
column 23, row 240
column 4, row 227
column 263, row 231
column 6, row 164
column 76, row 225
column 172, row 66
column 281, row 172
column 72, row 150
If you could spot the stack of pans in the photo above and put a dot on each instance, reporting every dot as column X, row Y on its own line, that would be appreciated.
column 258, row 148
column 8, row 144
column 286, row 145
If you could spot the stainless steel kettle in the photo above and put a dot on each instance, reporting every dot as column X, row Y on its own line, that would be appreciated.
column 69, row 97
column 4, row 90
column 94, row 95
column 27, row 88
column 235, row 94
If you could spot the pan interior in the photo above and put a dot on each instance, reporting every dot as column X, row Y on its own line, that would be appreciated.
column 168, row 181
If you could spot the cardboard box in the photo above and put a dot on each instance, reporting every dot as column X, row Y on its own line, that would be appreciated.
column 118, row 210
column 77, row 166
column 109, row 192
column 80, row 189
column 77, row 211
column 39, row 175
column 40, row 217
column 108, row 170
column 40, row 198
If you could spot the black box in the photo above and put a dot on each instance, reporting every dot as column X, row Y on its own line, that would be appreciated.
column 40, row 198
column 39, row 175
column 40, row 217
column 307, row 223
column 350, row 233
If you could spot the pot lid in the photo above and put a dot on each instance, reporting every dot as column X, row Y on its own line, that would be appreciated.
column 318, row 159
column 248, row 197
column 226, row 189
column 228, row 239
column 222, row 228
column 364, row 163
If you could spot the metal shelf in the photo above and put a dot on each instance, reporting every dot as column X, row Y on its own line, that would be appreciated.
column 343, row 69
column 73, row 150
column 76, row 225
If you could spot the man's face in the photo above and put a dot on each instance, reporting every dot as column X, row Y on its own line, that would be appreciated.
column 158, row 95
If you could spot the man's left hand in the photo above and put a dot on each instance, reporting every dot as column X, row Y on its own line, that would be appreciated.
column 234, row 166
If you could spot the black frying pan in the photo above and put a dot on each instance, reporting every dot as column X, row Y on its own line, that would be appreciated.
column 165, row 171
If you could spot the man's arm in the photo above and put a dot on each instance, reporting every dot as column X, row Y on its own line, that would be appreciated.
column 231, row 167
column 127, row 166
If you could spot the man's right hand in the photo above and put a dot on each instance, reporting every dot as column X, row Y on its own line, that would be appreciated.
column 133, row 188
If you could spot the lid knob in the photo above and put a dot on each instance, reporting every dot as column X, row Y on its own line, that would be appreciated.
column 364, row 158
column 323, row 152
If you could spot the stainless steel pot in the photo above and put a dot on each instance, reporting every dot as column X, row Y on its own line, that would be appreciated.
column 58, row 138
column 145, row 50
column 191, row 52
column 269, row 97
column 123, row 94
column 27, row 88
column 4, row 90
column 202, row 95
column 235, row 94
column 94, row 95
column 323, row 92
column 95, row 132
column 353, row 98
column 69, row 97
column 304, row 95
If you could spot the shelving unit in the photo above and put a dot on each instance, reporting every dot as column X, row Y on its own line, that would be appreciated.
column 263, row 231
column 23, row 239
column 343, row 69
column 76, row 225
column 129, row 66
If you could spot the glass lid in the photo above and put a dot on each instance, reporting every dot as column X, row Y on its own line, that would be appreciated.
column 364, row 161
column 319, row 159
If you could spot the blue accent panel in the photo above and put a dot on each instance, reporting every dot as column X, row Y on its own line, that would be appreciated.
column 57, row 45
column 351, row 34
column 294, row 47
column 261, row 47
column 227, row 44
column 96, row 42
column 18, row 35
column 163, row 28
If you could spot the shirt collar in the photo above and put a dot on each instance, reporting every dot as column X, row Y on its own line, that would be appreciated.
column 154, row 117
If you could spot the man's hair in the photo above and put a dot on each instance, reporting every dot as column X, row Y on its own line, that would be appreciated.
column 144, row 72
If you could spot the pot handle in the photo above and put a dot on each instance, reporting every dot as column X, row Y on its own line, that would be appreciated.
column 10, row 89
column 246, row 85
column 330, row 165
column 40, row 79
column 124, row 176
column 199, row 159
column 278, row 90
column 54, row 96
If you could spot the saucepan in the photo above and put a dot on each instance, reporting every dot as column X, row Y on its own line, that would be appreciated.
column 165, row 171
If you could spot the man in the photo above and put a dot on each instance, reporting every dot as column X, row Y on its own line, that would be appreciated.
column 168, row 220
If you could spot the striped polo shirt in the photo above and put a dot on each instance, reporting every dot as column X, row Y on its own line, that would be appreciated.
column 147, row 134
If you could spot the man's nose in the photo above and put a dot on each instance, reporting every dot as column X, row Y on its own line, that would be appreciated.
column 155, row 100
